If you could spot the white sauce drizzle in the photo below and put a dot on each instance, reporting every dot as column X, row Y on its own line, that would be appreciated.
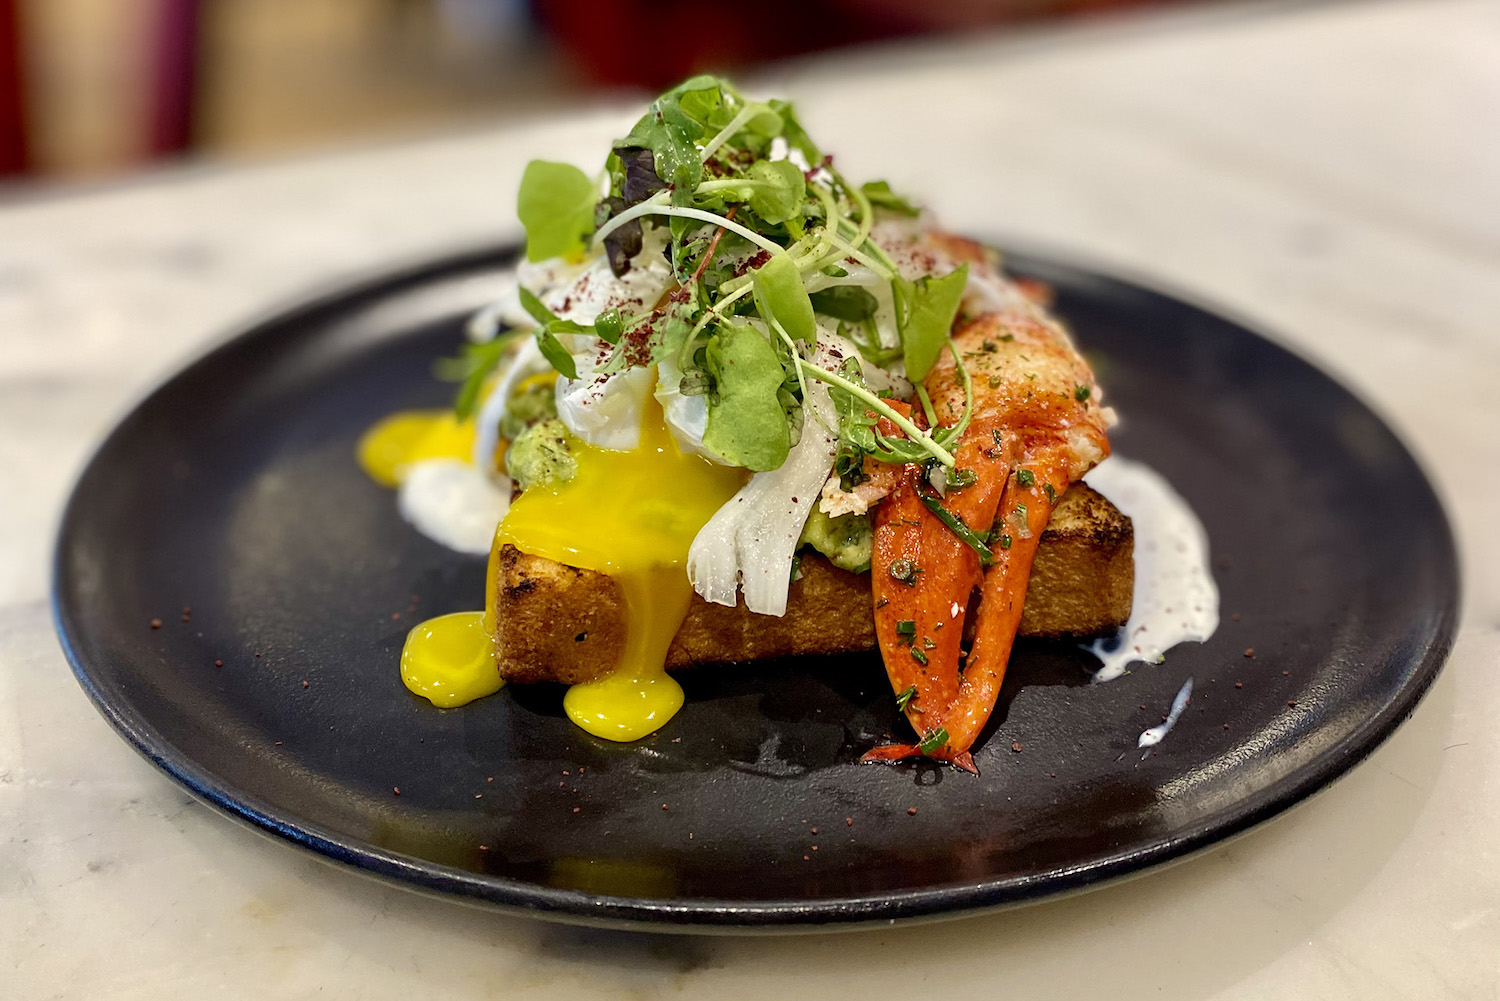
column 1176, row 599
column 1155, row 735
column 453, row 503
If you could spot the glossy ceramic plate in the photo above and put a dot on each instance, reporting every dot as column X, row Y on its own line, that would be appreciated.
column 233, row 491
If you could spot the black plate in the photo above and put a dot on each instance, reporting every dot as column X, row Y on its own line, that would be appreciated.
column 233, row 490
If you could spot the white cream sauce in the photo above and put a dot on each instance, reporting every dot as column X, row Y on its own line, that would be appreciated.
column 454, row 503
column 1176, row 599
column 1155, row 735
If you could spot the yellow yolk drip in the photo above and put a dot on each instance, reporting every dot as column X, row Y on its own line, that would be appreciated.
column 450, row 660
column 631, row 515
column 389, row 448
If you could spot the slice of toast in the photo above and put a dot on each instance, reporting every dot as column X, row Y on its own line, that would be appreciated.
column 558, row 623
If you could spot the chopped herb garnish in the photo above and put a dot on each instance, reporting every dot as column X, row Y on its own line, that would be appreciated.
column 906, row 627
column 904, row 699
column 1025, row 477
column 970, row 537
column 957, row 479
column 928, row 643
column 1004, row 541
column 1081, row 392
column 934, row 741
column 1051, row 493
column 919, row 656
column 988, row 346
column 905, row 571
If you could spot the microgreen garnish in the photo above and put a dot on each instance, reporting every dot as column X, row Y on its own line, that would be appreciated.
column 934, row 741
column 472, row 369
column 556, row 205
column 547, row 328
column 904, row 699
column 763, row 236
column 879, row 193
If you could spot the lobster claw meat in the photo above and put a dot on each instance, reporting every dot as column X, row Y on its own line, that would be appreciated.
column 938, row 561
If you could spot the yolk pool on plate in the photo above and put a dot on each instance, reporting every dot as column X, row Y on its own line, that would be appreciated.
column 389, row 448
column 450, row 660
column 632, row 515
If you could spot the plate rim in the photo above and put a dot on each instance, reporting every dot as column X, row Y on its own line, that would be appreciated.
column 706, row 915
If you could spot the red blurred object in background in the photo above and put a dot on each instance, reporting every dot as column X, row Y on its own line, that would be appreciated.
column 174, row 79
column 656, row 43
column 14, row 156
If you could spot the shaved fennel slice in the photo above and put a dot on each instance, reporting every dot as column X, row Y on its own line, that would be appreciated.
column 749, row 542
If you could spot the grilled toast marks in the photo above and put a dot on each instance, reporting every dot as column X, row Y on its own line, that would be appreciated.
column 559, row 623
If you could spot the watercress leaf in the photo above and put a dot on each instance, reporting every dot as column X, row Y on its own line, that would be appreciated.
column 556, row 205
column 881, row 196
column 778, row 196
column 746, row 423
column 926, row 309
column 780, row 295
column 850, row 303
column 702, row 99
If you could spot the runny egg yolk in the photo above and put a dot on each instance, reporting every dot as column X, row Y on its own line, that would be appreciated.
column 392, row 445
column 633, row 516
column 450, row 660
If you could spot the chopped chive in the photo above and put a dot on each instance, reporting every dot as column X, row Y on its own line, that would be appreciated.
column 928, row 643
column 904, row 699
column 1025, row 477
column 1008, row 338
column 964, row 532
column 960, row 478
column 1081, row 392
column 995, row 381
column 1022, row 514
column 988, row 345
column 919, row 656
column 906, row 627
column 1051, row 493
column 999, row 438
column 905, row 571
column 1004, row 542
column 933, row 741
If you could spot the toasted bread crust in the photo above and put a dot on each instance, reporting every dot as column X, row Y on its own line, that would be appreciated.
column 560, row 623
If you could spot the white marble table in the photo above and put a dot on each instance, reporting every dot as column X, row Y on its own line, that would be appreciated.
column 1331, row 172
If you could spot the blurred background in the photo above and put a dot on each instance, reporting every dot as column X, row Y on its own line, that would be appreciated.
column 92, row 88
